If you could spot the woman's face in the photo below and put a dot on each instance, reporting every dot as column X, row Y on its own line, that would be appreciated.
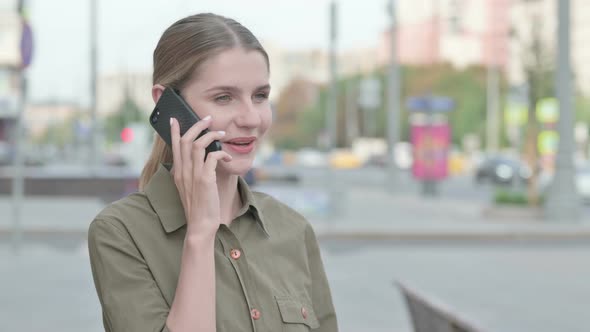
column 233, row 89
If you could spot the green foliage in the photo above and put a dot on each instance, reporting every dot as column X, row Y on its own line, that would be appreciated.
column 127, row 113
column 58, row 134
column 288, row 143
column 312, row 121
column 582, row 109
column 513, row 197
column 466, row 87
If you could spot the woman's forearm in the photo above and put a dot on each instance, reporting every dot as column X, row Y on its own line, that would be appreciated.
column 193, row 308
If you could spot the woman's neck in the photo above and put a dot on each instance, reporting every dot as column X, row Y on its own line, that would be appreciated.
column 230, row 201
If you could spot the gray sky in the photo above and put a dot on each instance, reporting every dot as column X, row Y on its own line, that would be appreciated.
column 130, row 29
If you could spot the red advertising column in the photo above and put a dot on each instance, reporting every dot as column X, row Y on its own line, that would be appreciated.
column 431, row 145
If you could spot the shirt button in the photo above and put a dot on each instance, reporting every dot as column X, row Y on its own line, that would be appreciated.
column 255, row 314
column 304, row 312
column 235, row 253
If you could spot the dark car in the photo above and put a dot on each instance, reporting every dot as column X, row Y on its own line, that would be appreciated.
column 502, row 170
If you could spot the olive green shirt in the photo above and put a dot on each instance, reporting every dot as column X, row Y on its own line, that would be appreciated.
column 269, row 273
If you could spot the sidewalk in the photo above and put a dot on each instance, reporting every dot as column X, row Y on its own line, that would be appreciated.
column 376, row 215
column 361, row 214
column 505, row 288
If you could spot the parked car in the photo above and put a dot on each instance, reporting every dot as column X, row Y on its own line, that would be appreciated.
column 311, row 158
column 502, row 170
column 344, row 160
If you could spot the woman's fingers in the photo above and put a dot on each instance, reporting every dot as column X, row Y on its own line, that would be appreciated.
column 204, row 141
column 186, row 143
column 176, row 155
column 193, row 132
column 213, row 159
column 199, row 150
column 194, row 176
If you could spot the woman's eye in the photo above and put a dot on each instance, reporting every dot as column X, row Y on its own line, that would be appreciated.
column 223, row 98
column 261, row 96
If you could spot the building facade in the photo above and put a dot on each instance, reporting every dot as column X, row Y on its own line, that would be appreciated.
column 460, row 32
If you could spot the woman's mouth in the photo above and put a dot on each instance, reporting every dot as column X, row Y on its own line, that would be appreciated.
column 241, row 145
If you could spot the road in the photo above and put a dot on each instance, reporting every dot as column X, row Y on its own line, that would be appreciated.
column 503, row 288
column 537, row 287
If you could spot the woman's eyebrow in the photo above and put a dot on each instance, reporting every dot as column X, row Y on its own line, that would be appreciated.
column 234, row 89
column 223, row 88
column 263, row 87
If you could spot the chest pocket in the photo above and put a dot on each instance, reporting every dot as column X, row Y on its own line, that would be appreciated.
column 297, row 315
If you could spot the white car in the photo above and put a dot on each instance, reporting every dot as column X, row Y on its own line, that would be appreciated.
column 311, row 158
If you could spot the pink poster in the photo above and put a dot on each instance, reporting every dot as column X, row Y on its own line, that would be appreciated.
column 430, row 148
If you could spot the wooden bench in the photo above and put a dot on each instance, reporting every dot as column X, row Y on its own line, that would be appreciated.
column 428, row 315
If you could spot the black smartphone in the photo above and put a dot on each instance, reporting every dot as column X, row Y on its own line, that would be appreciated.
column 172, row 105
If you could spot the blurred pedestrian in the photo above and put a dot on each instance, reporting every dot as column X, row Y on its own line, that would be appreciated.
column 195, row 249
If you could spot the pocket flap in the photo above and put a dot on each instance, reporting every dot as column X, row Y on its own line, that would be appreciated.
column 295, row 311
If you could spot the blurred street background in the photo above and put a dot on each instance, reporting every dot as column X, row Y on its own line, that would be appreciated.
column 439, row 143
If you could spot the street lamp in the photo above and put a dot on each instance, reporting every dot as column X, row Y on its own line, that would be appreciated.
column 393, row 101
column 562, row 201
column 94, row 150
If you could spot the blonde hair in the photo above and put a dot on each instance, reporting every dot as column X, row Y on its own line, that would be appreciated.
column 183, row 47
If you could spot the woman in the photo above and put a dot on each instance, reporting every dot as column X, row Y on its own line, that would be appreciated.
column 195, row 249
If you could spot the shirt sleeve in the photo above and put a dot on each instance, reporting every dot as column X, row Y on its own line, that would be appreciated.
column 321, row 295
column 130, row 298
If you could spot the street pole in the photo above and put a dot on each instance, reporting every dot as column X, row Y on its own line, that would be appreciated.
column 18, row 176
column 335, row 195
column 492, row 91
column 562, row 203
column 94, row 157
column 366, row 122
column 351, row 112
column 393, row 102
column 333, row 93
column 26, row 51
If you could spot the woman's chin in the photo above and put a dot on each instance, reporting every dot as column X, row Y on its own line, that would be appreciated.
column 236, row 166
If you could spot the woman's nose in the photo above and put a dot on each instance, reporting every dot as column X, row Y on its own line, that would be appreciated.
column 249, row 116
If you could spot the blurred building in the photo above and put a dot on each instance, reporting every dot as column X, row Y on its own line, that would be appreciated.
column 459, row 32
column 10, row 33
column 113, row 88
column 541, row 16
column 286, row 66
column 484, row 32
column 40, row 116
column 314, row 65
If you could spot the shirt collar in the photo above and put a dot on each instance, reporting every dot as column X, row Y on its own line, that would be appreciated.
column 163, row 196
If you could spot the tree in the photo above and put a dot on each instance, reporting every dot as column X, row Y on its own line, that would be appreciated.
column 539, row 69
column 297, row 97
column 58, row 134
column 465, row 86
column 127, row 113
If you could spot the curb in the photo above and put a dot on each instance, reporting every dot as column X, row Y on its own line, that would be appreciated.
column 516, row 236
column 4, row 231
column 383, row 236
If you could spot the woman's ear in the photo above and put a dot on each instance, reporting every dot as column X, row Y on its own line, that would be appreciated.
column 157, row 91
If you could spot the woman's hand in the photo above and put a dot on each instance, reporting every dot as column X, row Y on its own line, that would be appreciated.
column 195, row 177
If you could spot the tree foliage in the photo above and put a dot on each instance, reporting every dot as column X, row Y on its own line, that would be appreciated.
column 466, row 87
column 127, row 113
